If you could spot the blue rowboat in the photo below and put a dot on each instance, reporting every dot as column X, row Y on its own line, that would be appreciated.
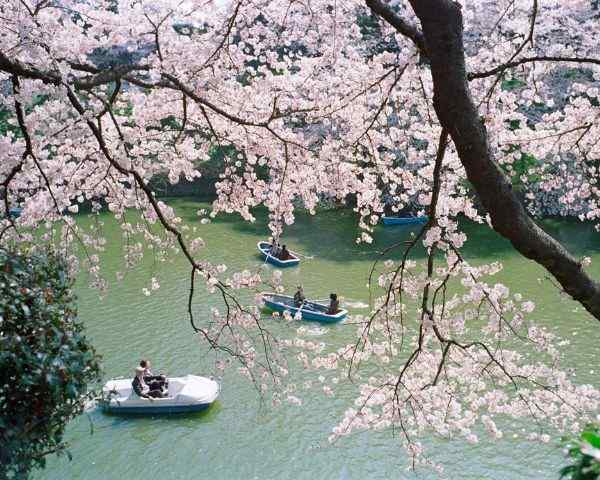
column 15, row 212
column 405, row 220
column 185, row 394
column 265, row 247
column 308, row 310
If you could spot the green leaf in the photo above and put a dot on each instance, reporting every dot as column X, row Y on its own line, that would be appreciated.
column 592, row 438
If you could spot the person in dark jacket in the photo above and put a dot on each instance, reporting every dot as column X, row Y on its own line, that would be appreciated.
column 141, row 388
column 334, row 304
column 284, row 254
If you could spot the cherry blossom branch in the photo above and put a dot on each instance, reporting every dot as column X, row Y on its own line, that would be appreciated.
column 385, row 11
column 156, row 32
column 382, row 105
column 139, row 181
column 525, row 60
column 213, row 342
column 528, row 39
column 28, row 152
column 441, row 151
column 230, row 24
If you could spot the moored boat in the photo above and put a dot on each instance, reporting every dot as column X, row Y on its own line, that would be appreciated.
column 185, row 394
column 15, row 212
column 265, row 248
column 309, row 310
column 405, row 220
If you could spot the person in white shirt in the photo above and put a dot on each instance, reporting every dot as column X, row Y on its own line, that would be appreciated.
column 141, row 388
column 153, row 381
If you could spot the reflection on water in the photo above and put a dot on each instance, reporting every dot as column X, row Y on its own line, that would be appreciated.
column 240, row 438
column 355, row 305
column 317, row 331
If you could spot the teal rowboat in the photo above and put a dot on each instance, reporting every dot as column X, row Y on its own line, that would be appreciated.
column 265, row 247
column 309, row 310
column 405, row 220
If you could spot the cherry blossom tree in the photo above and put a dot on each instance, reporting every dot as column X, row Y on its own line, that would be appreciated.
column 487, row 111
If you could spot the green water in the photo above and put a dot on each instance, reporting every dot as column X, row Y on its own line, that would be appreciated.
column 238, row 438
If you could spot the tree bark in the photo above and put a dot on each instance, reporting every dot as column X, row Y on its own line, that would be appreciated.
column 442, row 25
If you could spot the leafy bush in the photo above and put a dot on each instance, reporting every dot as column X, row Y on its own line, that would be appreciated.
column 585, row 456
column 46, row 363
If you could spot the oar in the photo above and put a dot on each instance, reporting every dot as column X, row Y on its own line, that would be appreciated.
column 307, row 302
column 306, row 257
column 268, row 255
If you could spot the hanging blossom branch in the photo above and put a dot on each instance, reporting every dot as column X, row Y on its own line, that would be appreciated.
column 168, row 226
column 397, row 287
column 29, row 153
column 412, row 398
column 528, row 39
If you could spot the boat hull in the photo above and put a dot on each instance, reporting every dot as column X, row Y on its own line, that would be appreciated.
column 184, row 395
column 155, row 410
column 279, row 303
column 263, row 248
column 405, row 220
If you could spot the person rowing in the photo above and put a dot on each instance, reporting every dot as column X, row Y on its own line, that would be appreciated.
column 275, row 248
column 299, row 297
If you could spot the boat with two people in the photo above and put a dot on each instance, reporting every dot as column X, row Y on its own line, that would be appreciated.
column 186, row 394
column 282, row 258
column 308, row 310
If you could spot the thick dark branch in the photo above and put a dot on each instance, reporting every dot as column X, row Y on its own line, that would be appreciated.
column 378, row 7
column 442, row 25
column 123, row 72
column 20, row 69
column 97, row 77
column 524, row 60
column 107, row 76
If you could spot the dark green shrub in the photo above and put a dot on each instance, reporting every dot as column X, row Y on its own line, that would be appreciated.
column 46, row 363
